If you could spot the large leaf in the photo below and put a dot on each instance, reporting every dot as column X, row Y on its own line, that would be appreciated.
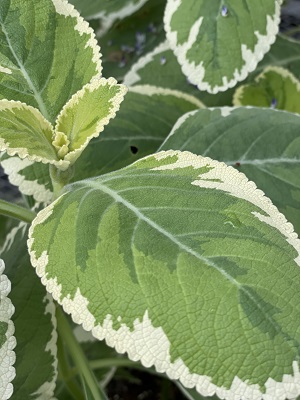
column 262, row 143
column 34, row 320
column 7, row 340
column 144, row 120
column 218, row 44
column 108, row 11
column 181, row 262
column 48, row 52
column 275, row 87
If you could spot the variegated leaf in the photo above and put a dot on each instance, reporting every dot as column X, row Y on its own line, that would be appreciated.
column 275, row 87
column 218, row 43
column 34, row 320
column 184, row 264
column 7, row 338
column 48, row 53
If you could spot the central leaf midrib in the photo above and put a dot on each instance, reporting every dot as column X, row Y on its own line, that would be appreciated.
column 119, row 199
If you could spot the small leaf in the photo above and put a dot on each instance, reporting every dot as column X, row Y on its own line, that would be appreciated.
column 216, row 46
column 7, row 340
column 152, row 265
column 25, row 132
column 37, row 39
column 34, row 320
column 85, row 116
column 275, row 87
column 263, row 144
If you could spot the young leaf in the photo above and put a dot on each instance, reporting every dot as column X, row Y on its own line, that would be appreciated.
column 275, row 87
column 108, row 12
column 25, row 132
column 85, row 116
column 34, row 320
column 219, row 43
column 145, row 119
column 38, row 38
column 264, row 144
column 7, row 340
column 181, row 262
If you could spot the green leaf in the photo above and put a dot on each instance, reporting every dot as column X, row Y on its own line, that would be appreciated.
column 25, row 132
column 218, row 44
column 107, row 11
column 7, row 340
column 37, row 39
column 144, row 120
column 181, row 262
column 263, row 144
column 276, row 88
column 135, row 35
column 160, row 68
column 34, row 320
column 85, row 116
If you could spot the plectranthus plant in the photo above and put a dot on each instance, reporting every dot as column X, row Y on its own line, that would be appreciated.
column 157, row 158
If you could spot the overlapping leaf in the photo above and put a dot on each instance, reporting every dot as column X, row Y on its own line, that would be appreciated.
column 218, row 44
column 37, row 39
column 264, row 144
column 275, row 87
column 34, row 320
column 181, row 262
column 107, row 11
column 146, row 117
column 7, row 338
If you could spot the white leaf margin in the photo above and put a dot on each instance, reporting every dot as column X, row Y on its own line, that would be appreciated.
column 132, row 77
column 12, row 166
column 284, row 73
column 196, row 73
column 150, row 90
column 66, row 9
column 7, row 355
column 149, row 344
column 46, row 391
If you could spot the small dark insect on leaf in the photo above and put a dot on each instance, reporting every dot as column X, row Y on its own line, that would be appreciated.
column 134, row 149
column 237, row 164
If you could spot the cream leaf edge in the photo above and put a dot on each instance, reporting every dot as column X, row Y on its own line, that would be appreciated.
column 45, row 391
column 115, row 102
column 196, row 73
column 150, row 345
column 284, row 73
column 150, row 90
column 66, row 9
column 7, row 355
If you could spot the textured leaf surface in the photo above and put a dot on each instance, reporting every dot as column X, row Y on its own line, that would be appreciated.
column 181, row 262
column 218, row 44
column 276, row 88
column 107, row 11
column 25, row 132
column 135, row 35
column 7, row 340
column 37, row 39
column 144, row 120
column 264, row 144
column 34, row 320
column 86, row 115
column 161, row 68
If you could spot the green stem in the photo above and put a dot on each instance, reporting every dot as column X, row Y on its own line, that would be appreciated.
column 15, row 211
column 78, row 355
column 59, row 179
column 64, row 371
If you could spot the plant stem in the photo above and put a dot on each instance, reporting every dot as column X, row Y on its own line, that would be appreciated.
column 78, row 355
column 15, row 211
column 64, row 371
